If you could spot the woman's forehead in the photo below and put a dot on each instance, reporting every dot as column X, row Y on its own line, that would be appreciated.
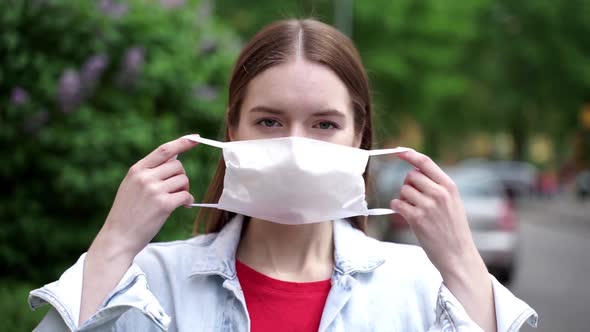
column 298, row 85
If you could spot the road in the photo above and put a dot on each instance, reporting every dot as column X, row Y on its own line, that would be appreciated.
column 554, row 269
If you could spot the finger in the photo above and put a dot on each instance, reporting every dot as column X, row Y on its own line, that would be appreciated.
column 181, row 198
column 403, row 208
column 421, row 182
column 409, row 194
column 426, row 166
column 166, row 151
column 168, row 169
column 175, row 184
column 398, row 219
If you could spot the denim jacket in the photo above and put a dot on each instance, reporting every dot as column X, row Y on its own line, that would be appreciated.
column 191, row 285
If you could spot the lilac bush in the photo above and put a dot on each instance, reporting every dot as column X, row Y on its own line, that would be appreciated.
column 113, row 8
column 173, row 3
column 93, row 87
column 92, row 72
column 133, row 61
column 19, row 96
column 69, row 94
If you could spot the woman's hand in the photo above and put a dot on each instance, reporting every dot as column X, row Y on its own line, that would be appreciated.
column 153, row 188
column 430, row 203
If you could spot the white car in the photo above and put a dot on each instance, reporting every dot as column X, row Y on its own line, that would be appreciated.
column 491, row 214
column 518, row 178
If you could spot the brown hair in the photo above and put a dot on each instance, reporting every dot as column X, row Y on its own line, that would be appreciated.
column 275, row 44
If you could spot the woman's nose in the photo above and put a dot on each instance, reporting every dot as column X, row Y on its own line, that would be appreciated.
column 297, row 130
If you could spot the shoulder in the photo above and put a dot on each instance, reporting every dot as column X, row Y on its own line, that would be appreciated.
column 203, row 254
column 410, row 258
column 386, row 261
column 406, row 266
column 174, row 256
column 404, row 283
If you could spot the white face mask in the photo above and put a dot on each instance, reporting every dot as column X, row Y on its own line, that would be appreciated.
column 294, row 180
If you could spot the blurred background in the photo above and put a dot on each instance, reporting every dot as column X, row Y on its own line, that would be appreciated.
column 496, row 91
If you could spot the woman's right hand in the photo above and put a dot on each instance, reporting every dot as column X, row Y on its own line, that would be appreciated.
column 153, row 188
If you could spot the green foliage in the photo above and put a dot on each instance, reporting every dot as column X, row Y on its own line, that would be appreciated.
column 416, row 61
column 87, row 90
column 478, row 66
column 15, row 312
column 533, row 57
column 459, row 67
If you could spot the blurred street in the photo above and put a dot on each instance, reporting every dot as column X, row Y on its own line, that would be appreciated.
column 553, row 261
column 554, row 264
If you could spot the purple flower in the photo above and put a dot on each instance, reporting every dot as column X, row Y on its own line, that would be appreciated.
column 134, row 58
column 113, row 8
column 172, row 3
column 92, row 71
column 36, row 121
column 19, row 96
column 133, row 61
column 70, row 91
column 206, row 92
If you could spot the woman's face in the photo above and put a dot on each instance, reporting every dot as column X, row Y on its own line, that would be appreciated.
column 297, row 98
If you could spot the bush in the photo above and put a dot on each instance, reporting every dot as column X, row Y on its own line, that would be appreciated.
column 14, row 308
column 88, row 88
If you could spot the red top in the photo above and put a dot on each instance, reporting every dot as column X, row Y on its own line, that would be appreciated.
column 276, row 305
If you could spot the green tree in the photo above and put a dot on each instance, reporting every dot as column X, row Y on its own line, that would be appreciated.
column 459, row 67
column 531, row 62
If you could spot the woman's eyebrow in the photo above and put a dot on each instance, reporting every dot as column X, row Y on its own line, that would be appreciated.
column 264, row 109
column 327, row 112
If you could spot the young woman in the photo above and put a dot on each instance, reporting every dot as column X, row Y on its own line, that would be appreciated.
column 295, row 80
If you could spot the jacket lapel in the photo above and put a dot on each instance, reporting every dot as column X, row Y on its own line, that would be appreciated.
column 354, row 253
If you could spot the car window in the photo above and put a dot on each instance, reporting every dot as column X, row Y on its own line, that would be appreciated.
column 476, row 188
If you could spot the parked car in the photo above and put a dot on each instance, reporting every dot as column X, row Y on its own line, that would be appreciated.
column 583, row 184
column 518, row 178
column 490, row 213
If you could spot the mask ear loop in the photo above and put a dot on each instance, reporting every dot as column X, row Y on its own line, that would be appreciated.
column 379, row 152
column 206, row 141
column 206, row 205
column 388, row 151
column 380, row 212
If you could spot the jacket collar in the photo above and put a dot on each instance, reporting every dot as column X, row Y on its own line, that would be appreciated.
column 353, row 251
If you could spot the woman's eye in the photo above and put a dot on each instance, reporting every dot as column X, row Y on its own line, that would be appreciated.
column 269, row 123
column 326, row 125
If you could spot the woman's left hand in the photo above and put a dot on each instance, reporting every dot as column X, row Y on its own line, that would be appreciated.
column 430, row 203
